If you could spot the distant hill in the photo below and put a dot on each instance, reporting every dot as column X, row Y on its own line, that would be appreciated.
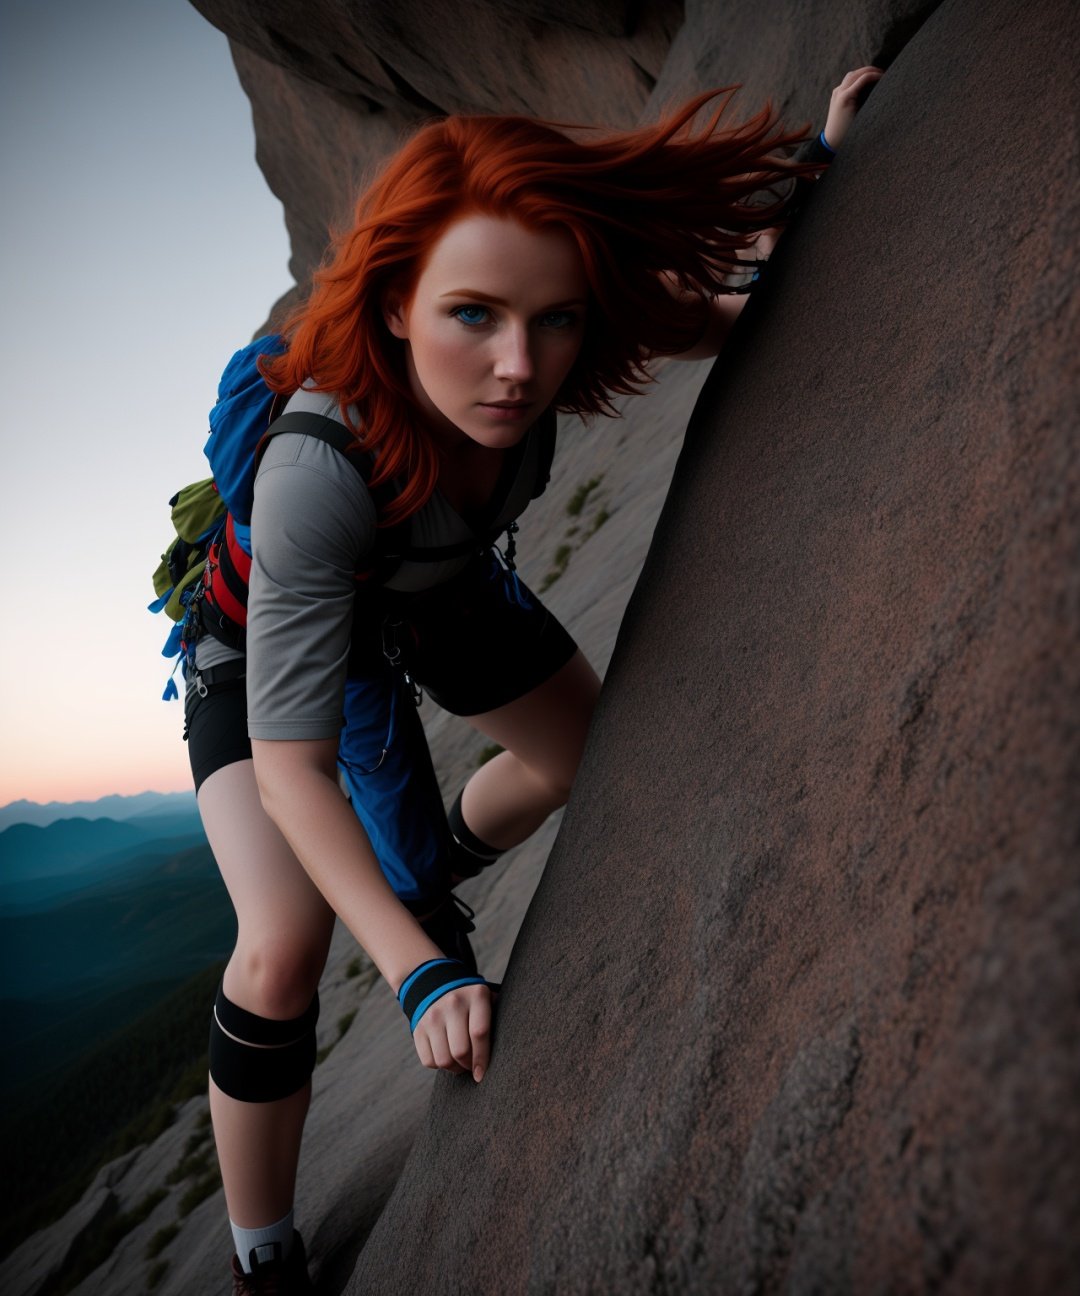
column 38, row 865
column 165, row 913
column 82, row 966
column 108, row 807
column 100, row 918
column 29, row 851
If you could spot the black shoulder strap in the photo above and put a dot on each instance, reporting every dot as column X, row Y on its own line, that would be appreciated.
column 321, row 428
column 389, row 541
column 545, row 430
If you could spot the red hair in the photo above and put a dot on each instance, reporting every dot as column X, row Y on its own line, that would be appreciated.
column 663, row 197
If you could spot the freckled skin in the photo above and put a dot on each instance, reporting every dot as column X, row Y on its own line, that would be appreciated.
column 464, row 352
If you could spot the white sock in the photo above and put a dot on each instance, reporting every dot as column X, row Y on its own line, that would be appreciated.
column 257, row 1244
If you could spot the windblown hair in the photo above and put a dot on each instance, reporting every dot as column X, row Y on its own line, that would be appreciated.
column 664, row 197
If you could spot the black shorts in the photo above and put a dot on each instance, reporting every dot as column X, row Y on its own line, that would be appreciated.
column 480, row 640
column 216, row 728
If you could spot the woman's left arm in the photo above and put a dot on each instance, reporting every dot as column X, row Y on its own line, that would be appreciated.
column 720, row 312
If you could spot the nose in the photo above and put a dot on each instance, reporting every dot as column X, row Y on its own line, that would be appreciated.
column 513, row 356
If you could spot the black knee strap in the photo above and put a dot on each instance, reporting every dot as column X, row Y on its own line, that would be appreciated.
column 468, row 854
column 256, row 1059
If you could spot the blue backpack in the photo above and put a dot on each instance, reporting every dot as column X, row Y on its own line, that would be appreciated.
column 201, row 511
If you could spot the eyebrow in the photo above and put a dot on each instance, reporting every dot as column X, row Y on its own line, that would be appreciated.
column 499, row 301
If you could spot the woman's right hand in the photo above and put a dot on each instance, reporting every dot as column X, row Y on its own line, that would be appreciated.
column 454, row 1034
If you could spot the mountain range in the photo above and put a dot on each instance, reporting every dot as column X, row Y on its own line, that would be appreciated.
column 100, row 918
column 110, row 807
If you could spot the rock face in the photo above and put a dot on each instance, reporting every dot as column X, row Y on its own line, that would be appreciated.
column 334, row 87
column 793, row 1007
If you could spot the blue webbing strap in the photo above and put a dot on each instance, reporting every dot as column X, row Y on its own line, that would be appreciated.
column 430, row 981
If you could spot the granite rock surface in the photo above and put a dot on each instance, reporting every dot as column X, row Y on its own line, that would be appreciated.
column 335, row 86
column 794, row 1005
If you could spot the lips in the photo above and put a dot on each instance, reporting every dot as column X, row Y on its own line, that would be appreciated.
column 517, row 413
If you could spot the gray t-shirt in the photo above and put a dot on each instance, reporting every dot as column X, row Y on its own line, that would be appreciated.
column 312, row 527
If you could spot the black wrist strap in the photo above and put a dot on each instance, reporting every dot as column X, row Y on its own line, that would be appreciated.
column 815, row 150
column 430, row 981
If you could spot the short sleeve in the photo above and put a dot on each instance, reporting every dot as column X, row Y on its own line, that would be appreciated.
column 312, row 525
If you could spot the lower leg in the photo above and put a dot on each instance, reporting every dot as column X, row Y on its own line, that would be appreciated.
column 260, row 1089
column 263, row 1032
column 504, row 802
column 543, row 734
column 258, row 1146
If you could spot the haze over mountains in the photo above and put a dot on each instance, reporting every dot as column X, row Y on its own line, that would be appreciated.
column 112, row 807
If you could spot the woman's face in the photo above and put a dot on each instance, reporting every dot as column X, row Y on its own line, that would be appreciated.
column 492, row 329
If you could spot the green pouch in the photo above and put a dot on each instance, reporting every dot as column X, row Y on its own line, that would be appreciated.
column 197, row 511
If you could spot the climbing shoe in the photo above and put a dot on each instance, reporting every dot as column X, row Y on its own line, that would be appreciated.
column 288, row 1277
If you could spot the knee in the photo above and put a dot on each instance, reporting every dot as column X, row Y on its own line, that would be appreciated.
column 257, row 1059
column 555, row 785
column 559, row 793
column 559, row 771
column 274, row 977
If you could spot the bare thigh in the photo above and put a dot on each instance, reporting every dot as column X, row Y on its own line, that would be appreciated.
column 547, row 727
column 284, row 924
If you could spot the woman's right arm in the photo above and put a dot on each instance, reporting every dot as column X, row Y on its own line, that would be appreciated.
column 310, row 524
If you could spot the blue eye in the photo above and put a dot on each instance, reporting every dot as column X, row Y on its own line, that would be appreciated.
column 470, row 315
column 559, row 319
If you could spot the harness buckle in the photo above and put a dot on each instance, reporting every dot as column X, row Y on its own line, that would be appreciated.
column 391, row 650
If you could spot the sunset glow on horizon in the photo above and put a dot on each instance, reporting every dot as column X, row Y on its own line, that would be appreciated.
column 112, row 779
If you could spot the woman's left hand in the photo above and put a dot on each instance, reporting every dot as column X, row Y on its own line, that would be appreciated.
column 847, row 100
column 454, row 1034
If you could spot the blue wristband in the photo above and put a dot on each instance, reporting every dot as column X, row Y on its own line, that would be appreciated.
column 430, row 981
column 825, row 143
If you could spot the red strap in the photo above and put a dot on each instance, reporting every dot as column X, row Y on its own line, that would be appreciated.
column 241, row 559
column 218, row 591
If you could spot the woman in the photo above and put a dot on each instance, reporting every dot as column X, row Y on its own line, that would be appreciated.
column 496, row 270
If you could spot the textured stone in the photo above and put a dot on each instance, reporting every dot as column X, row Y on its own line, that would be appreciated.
column 334, row 86
column 794, row 1005
column 35, row 1262
column 792, row 54
column 486, row 56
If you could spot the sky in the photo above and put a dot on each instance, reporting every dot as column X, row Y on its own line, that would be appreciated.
column 140, row 247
